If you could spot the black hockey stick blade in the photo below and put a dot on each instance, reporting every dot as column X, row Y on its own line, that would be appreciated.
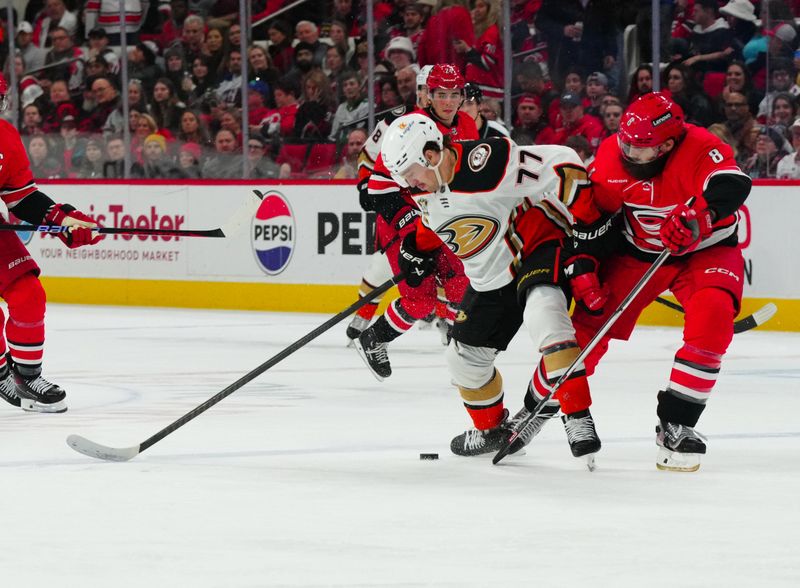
column 756, row 319
column 92, row 449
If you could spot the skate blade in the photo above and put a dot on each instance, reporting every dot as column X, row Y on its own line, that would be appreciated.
column 590, row 463
column 670, row 461
column 350, row 343
column 29, row 405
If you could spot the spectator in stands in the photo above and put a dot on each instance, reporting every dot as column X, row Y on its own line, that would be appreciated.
column 307, row 32
column 280, row 48
column 490, row 109
column 261, row 166
column 781, row 40
column 189, row 160
column 32, row 54
column 55, row 15
column 712, row 41
column 313, row 118
column 224, row 163
column 194, row 130
column 789, row 166
column 451, row 23
column 781, row 78
column 31, row 120
column 334, row 66
column 261, row 68
column 231, row 120
column 337, row 36
column 42, row 165
column 737, row 79
column 406, row 79
column 347, row 12
column 348, row 169
column 92, row 164
column 155, row 160
column 97, row 42
column 202, row 82
column 114, row 163
column 165, row 107
column 215, row 48
column 70, row 149
column 721, row 131
column 578, row 34
column 484, row 59
column 741, row 18
column 531, row 80
column 769, row 151
column 142, row 65
column 107, row 101
column 193, row 37
column 172, row 25
column 611, row 117
column 390, row 95
column 740, row 122
column 257, row 109
column 235, row 35
column 303, row 62
column 400, row 52
column 177, row 71
column 596, row 90
column 641, row 82
column 784, row 111
column 573, row 122
column 354, row 107
column 136, row 95
column 229, row 90
column 145, row 126
column 530, row 122
column 64, row 50
column 59, row 95
column 695, row 104
column 412, row 25
column 281, row 121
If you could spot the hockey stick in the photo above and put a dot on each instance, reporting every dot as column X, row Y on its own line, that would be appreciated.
column 751, row 321
column 92, row 449
column 234, row 225
column 505, row 448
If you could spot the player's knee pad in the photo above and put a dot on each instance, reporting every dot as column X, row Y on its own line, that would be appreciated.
column 379, row 270
column 709, row 320
column 26, row 299
column 470, row 367
column 546, row 316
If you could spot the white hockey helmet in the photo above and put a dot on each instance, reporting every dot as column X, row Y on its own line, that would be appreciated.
column 422, row 76
column 404, row 143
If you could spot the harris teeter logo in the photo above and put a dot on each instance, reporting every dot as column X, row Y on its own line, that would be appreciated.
column 273, row 234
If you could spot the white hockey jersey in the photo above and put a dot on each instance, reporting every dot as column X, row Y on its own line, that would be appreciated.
column 503, row 201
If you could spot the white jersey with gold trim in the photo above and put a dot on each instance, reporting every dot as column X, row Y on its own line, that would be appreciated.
column 503, row 200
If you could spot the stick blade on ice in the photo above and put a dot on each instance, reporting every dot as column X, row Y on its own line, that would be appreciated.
column 758, row 318
column 97, row 451
column 244, row 216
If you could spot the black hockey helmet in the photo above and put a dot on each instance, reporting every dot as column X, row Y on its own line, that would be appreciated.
column 473, row 92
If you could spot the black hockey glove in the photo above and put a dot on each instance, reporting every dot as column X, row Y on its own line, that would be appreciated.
column 415, row 264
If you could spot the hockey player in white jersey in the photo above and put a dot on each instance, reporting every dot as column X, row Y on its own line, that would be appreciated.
column 504, row 211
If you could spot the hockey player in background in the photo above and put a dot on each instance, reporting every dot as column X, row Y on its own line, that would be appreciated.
column 440, row 92
column 503, row 210
column 473, row 96
column 675, row 186
column 22, row 339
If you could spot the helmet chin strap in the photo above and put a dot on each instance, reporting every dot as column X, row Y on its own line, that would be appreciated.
column 438, row 175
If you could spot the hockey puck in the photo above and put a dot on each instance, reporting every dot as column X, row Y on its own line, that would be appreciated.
column 428, row 456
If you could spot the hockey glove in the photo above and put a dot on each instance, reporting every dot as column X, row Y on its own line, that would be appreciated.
column 686, row 226
column 581, row 271
column 80, row 226
column 414, row 264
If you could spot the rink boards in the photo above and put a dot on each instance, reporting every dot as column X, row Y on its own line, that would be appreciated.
column 307, row 246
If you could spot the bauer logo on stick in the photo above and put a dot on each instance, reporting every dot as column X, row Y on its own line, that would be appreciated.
column 273, row 234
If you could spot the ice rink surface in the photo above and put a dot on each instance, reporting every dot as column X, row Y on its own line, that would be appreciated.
column 310, row 475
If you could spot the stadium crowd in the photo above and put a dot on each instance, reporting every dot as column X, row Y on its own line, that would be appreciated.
column 733, row 66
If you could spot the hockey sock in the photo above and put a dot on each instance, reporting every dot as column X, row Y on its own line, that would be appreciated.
column 384, row 331
column 368, row 310
column 573, row 394
column 485, row 404
column 673, row 409
column 25, row 329
column 693, row 376
column 399, row 319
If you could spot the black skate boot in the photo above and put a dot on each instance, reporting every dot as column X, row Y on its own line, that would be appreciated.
column 581, row 435
column 680, row 447
column 532, row 429
column 357, row 326
column 477, row 442
column 37, row 394
column 8, row 389
column 372, row 346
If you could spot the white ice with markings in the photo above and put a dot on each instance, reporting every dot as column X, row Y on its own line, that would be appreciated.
column 310, row 475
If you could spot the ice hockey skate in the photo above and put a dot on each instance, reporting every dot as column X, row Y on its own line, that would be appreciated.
column 8, row 389
column 533, row 428
column 477, row 442
column 582, row 437
column 357, row 326
column 375, row 354
column 680, row 447
column 37, row 394
column 444, row 331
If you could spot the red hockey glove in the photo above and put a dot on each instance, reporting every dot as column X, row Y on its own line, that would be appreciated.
column 686, row 226
column 415, row 264
column 80, row 226
column 581, row 271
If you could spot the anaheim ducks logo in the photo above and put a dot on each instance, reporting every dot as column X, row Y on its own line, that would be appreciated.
column 468, row 235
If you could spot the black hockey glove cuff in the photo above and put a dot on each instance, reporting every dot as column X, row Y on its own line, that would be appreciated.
column 416, row 265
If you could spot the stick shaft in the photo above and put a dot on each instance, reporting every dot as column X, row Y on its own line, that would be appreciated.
column 56, row 229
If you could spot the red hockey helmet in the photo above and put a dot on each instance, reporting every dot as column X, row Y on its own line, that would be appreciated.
column 446, row 77
column 650, row 122
column 3, row 93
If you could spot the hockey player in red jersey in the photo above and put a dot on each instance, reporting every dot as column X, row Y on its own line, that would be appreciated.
column 503, row 210
column 675, row 186
column 22, row 339
column 397, row 219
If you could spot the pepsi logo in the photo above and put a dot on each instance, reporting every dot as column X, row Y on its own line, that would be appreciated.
column 273, row 234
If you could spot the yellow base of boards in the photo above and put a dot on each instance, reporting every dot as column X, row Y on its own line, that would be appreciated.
column 303, row 298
